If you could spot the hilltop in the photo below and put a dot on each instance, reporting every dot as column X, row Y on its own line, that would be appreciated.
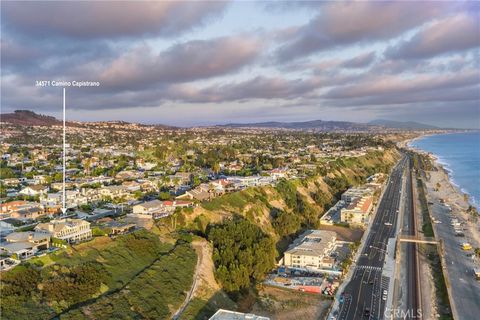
column 29, row 118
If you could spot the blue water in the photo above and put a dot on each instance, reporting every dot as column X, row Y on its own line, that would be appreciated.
column 459, row 153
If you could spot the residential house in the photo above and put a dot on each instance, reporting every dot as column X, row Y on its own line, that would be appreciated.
column 128, row 175
column 113, row 192
column 34, row 190
column 181, row 178
column 148, row 185
column 73, row 199
column 152, row 209
column 200, row 193
column 11, row 182
column 131, row 186
column 25, row 244
column 170, row 206
column 278, row 173
column 40, row 179
column 70, row 230
column 22, row 210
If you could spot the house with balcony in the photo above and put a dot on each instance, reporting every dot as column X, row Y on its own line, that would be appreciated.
column 70, row 230
column 25, row 244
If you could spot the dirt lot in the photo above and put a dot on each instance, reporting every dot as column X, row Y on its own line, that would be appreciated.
column 343, row 233
column 283, row 304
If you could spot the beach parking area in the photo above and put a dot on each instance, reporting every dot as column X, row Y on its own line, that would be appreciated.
column 448, row 208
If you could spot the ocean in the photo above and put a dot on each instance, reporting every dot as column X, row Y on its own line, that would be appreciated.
column 459, row 153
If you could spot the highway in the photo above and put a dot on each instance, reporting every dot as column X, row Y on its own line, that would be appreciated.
column 363, row 295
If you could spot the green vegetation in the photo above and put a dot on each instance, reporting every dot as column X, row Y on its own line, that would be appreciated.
column 236, row 201
column 78, row 276
column 427, row 227
column 152, row 294
column 202, row 309
column 440, row 286
column 422, row 162
column 243, row 254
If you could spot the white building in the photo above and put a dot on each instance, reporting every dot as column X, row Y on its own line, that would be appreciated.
column 34, row 190
column 70, row 230
column 311, row 251
column 223, row 314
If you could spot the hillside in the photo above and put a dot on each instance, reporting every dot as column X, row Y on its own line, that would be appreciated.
column 407, row 125
column 280, row 212
column 28, row 118
column 91, row 280
column 319, row 125
column 283, row 210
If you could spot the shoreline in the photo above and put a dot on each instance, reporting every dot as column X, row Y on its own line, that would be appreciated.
column 442, row 167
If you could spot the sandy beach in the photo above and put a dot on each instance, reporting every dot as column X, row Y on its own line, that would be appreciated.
column 453, row 197
column 457, row 200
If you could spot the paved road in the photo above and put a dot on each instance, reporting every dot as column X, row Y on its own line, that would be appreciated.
column 363, row 296
column 464, row 288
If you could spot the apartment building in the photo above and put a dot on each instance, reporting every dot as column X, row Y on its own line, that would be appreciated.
column 311, row 251
column 357, row 210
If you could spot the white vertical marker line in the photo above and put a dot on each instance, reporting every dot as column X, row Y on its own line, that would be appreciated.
column 64, row 208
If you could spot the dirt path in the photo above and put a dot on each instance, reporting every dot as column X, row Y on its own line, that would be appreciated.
column 200, row 248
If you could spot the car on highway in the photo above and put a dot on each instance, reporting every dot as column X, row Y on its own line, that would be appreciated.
column 388, row 224
column 366, row 313
column 384, row 298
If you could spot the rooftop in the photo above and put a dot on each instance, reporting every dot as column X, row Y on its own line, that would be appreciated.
column 312, row 243
column 223, row 314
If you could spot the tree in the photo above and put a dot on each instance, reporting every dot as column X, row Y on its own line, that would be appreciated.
column 243, row 254
column 216, row 167
column 164, row 196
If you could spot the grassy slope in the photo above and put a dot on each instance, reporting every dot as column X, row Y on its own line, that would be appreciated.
column 137, row 264
column 154, row 294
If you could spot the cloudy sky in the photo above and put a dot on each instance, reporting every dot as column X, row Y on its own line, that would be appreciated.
column 197, row 63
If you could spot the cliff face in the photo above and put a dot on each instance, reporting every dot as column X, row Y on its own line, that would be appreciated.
column 290, row 206
column 28, row 118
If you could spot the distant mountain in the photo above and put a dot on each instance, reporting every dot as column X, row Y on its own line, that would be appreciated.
column 29, row 118
column 306, row 125
column 412, row 125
